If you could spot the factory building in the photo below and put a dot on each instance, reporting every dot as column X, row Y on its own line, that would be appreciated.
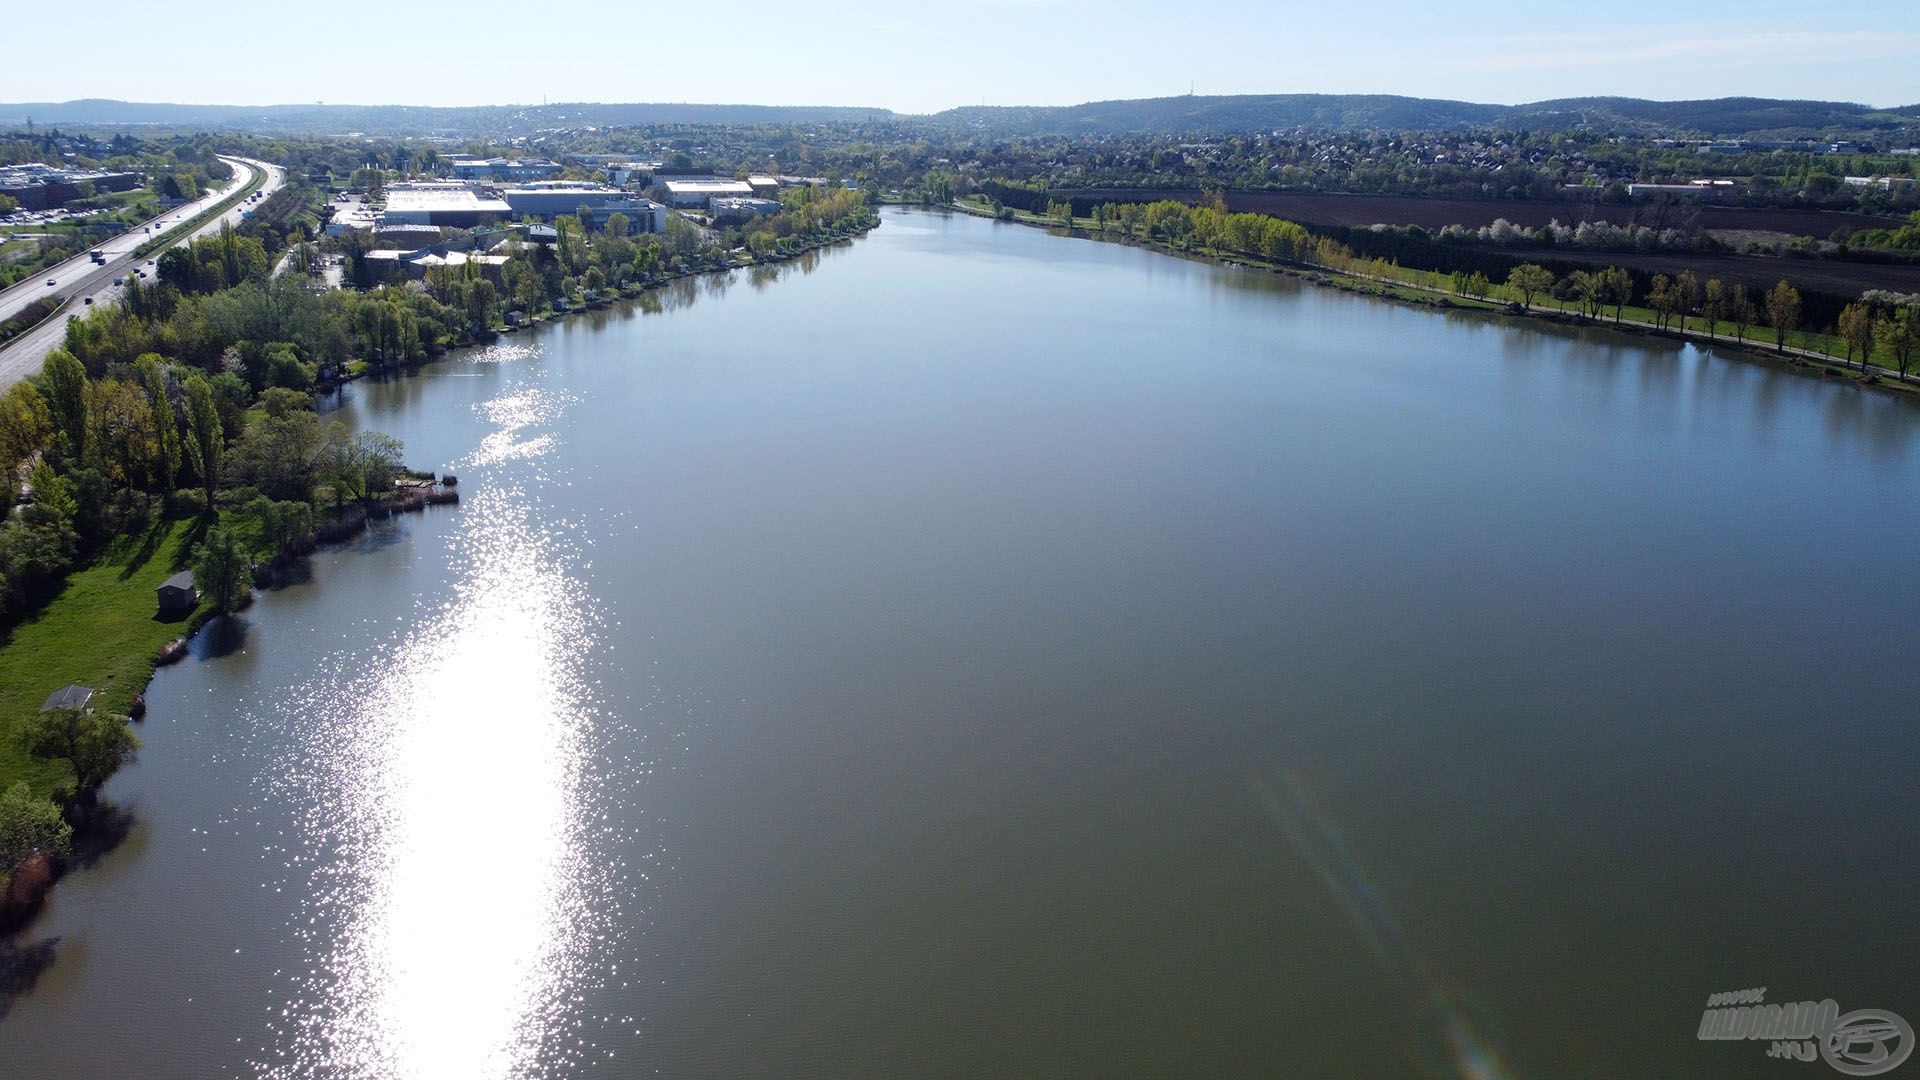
column 694, row 194
column 555, row 198
column 511, row 170
column 448, row 205
column 44, row 187
column 726, row 208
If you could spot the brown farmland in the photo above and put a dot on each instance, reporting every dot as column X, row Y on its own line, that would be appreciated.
column 1844, row 279
column 1833, row 277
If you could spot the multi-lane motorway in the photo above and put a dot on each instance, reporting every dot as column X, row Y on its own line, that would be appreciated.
column 81, row 279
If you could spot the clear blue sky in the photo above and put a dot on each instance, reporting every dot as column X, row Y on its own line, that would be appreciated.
column 922, row 58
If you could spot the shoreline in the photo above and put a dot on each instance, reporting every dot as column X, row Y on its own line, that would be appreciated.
column 121, row 678
column 624, row 295
column 123, row 693
column 1794, row 359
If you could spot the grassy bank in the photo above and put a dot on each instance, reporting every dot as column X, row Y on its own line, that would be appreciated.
column 1813, row 351
column 101, row 631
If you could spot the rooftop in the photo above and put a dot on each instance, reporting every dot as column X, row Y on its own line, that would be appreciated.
column 441, row 198
column 710, row 187
column 71, row 696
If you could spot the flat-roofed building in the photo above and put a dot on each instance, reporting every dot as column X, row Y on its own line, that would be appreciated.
column 630, row 172
column 450, row 205
column 729, row 208
column 387, row 261
column 37, row 186
column 558, row 197
column 698, row 193
column 409, row 237
column 514, row 170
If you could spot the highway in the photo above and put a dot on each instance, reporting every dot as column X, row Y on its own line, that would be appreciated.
column 81, row 279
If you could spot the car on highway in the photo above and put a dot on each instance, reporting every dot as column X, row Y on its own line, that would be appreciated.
column 52, row 281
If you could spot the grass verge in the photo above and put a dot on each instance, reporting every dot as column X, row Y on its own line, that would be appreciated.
column 101, row 631
column 186, row 228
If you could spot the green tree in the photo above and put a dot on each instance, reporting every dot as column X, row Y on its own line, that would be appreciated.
column 1714, row 307
column 1783, row 312
column 1740, row 311
column 1686, row 296
column 1616, row 288
column 220, row 571
column 63, row 381
column 93, row 744
column 1587, row 290
column 205, row 443
column 284, row 368
column 1660, row 300
column 1529, row 279
column 1898, row 335
column 166, row 429
column 1856, row 332
column 366, row 464
column 122, row 433
column 286, row 528
column 282, row 455
column 231, row 396
column 26, row 428
column 29, row 826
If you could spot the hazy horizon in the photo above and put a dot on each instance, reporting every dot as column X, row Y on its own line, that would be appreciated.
column 692, row 103
column 1002, row 52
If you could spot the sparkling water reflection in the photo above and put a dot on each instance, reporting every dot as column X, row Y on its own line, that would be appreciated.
column 451, row 931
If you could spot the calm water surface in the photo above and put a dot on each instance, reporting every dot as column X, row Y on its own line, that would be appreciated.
column 980, row 652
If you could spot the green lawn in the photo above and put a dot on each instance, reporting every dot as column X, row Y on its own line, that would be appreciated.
column 99, row 632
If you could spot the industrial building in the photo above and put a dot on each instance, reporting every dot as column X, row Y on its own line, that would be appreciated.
column 416, row 263
column 448, row 205
column 727, row 208
column 622, row 173
column 694, row 194
column 513, row 170
column 554, row 198
column 45, row 187
column 406, row 237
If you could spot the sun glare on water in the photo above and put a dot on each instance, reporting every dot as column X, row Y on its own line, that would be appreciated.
column 456, row 912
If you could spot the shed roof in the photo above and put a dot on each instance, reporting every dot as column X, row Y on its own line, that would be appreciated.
column 71, row 696
column 181, row 580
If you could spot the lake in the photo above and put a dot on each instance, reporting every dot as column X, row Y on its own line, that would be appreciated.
column 971, row 651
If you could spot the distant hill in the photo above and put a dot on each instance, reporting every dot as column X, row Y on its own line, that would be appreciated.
column 1157, row 116
column 414, row 119
column 1365, row 112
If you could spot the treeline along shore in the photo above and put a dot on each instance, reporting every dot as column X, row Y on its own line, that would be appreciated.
column 1874, row 338
column 171, row 451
